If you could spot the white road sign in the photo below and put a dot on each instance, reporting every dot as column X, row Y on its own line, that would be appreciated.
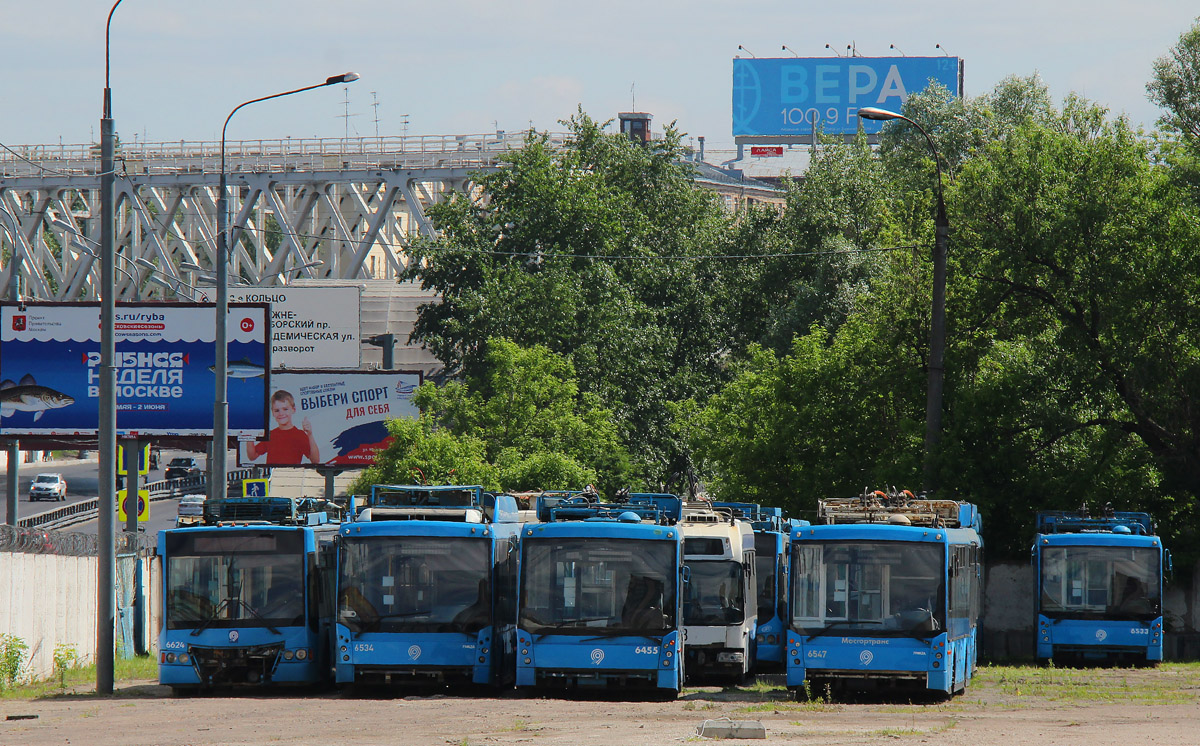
column 311, row 327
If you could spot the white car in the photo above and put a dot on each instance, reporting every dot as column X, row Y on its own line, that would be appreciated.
column 48, row 487
column 191, row 510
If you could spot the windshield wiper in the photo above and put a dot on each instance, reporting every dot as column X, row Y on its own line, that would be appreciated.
column 212, row 618
column 256, row 615
column 840, row 623
column 565, row 624
column 227, row 603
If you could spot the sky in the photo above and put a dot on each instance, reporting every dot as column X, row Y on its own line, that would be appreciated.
column 468, row 66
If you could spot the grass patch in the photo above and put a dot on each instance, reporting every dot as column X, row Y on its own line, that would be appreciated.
column 1168, row 684
column 912, row 730
column 895, row 732
column 82, row 680
column 761, row 686
column 812, row 705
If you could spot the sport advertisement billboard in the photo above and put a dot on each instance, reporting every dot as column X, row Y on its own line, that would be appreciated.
column 311, row 326
column 785, row 96
column 331, row 418
column 164, row 369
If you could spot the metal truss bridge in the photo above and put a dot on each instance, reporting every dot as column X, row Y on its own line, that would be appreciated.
column 334, row 209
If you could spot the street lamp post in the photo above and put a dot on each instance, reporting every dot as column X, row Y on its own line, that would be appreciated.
column 107, row 498
column 937, row 322
column 218, row 469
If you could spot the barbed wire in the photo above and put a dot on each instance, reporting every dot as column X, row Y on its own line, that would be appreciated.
column 33, row 540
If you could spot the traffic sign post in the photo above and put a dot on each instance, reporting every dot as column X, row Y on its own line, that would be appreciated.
column 143, row 506
column 143, row 451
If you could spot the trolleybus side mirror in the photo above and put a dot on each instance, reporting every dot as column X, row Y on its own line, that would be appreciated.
column 685, row 572
column 1167, row 557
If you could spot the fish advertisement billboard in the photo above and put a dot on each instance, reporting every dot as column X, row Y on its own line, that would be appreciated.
column 311, row 326
column 790, row 96
column 331, row 418
column 164, row 369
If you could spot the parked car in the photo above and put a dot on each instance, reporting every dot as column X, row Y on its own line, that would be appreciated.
column 183, row 466
column 191, row 510
column 48, row 487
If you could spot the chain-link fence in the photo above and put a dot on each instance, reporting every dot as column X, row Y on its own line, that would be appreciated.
column 35, row 540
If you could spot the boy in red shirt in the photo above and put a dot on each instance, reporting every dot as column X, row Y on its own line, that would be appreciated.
column 287, row 444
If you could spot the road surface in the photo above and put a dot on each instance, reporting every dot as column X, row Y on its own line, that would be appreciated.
column 83, row 480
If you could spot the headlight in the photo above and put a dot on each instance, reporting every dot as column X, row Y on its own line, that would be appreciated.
column 288, row 655
column 169, row 657
column 301, row 654
column 183, row 658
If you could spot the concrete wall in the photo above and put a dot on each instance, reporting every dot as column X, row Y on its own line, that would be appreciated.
column 48, row 600
column 27, row 457
column 1006, row 628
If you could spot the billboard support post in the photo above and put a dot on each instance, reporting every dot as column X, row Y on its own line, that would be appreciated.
column 388, row 343
column 14, row 446
column 329, row 474
column 11, row 489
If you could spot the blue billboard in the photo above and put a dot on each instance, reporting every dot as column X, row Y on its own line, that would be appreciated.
column 788, row 97
column 164, row 369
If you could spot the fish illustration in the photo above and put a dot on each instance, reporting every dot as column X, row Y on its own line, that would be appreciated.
column 28, row 396
column 241, row 369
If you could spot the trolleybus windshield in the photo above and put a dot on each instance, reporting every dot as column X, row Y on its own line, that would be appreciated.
column 1081, row 582
column 598, row 586
column 714, row 595
column 235, row 578
column 883, row 588
column 415, row 584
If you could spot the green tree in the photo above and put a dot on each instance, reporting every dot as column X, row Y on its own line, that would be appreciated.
column 585, row 249
column 1176, row 86
column 1071, row 231
column 422, row 453
column 521, row 424
column 1073, row 367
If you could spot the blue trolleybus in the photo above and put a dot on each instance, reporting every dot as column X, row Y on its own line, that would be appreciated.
column 426, row 588
column 599, row 595
column 246, row 597
column 885, row 593
column 772, row 538
column 1099, row 587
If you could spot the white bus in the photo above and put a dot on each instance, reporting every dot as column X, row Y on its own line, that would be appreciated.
column 720, row 601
